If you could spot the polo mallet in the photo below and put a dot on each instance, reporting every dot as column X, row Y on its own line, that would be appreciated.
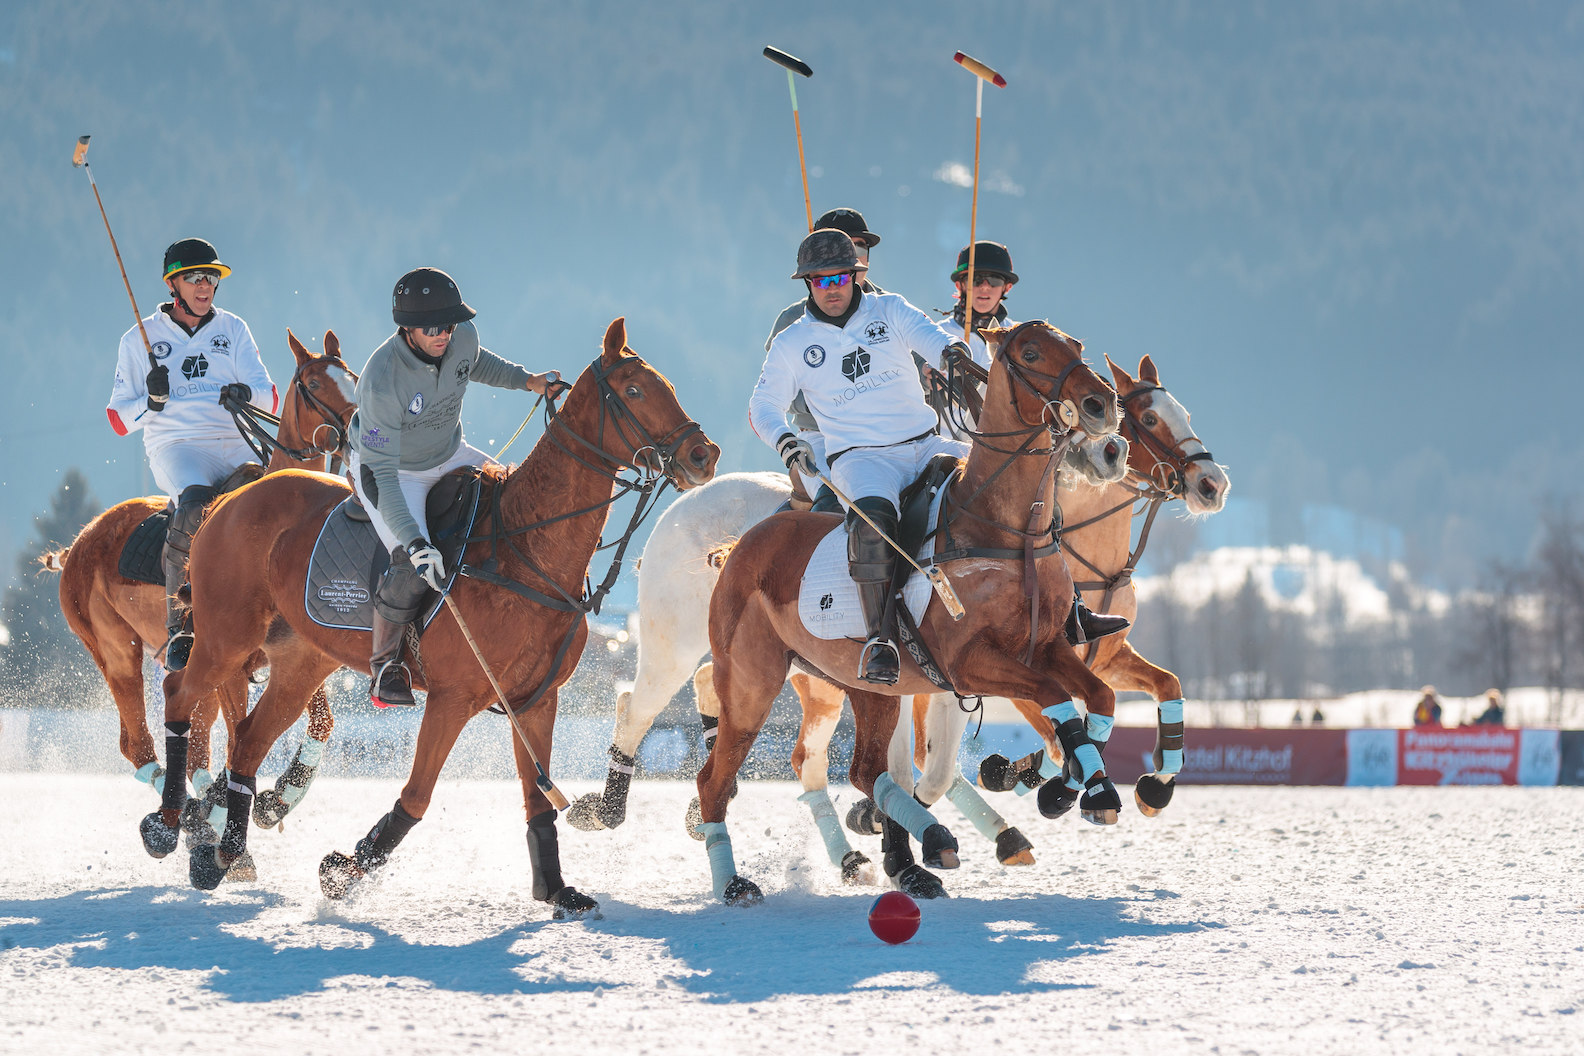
column 80, row 160
column 792, row 64
column 936, row 577
column 982, row 73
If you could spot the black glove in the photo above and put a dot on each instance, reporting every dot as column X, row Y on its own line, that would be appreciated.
column 158, row 384
column 235, row 391
column 953, row 351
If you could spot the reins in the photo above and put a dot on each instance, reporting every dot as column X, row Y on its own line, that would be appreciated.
column 253, row 424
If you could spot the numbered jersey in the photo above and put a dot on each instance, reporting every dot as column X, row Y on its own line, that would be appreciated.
column 219, row 352
column 859, row 379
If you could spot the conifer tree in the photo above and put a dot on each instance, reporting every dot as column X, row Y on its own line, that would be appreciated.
column 40, row 642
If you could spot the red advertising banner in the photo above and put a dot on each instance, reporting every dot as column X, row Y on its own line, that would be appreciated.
column 1457, row 757
column 1221, row 756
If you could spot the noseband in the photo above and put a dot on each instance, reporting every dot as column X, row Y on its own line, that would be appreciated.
column 332, row 421
column 648, row 457
column 1170, row 471
column 1063, row 411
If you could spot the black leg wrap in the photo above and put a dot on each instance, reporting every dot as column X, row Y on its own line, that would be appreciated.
column 239, row 804
column 375, row 849
column 896, row 850
column 544, row 854
column 1168, row 738
column 910, row 878
column 175, row 795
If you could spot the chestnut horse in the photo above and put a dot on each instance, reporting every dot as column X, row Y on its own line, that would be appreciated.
column 518, row 603
column 998, row 532
column 120, row 620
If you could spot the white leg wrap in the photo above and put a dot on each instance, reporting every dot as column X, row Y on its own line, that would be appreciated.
column 717, row 844
column 201, row 780
column 819, row 803
column 967, row 799
column 901, row 807
column 153, row 775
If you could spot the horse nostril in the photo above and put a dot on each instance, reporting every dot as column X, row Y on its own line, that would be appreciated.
column 699, row 455
column 1207, row 488
column 1112, row 451
column 1093, row 407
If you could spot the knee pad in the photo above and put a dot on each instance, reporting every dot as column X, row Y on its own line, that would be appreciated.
column 188, row 516
column 869, row 557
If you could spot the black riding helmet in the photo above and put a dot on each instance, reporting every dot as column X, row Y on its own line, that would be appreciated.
column 850, row 221
column 428, row 297
column 191, row 254
column 990, row 258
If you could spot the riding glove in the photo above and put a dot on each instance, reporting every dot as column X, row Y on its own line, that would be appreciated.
column 797, row 452
column 955, row 350
column 426, row 562
column 236, row 391
column 158, row 384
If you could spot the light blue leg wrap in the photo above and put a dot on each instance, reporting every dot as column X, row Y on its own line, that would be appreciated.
column 201, row 780
column 1100, row 727
column 1087, row 756
column 153, row 775
column 717, row 844
column 1049, row 768
column 819, row 803
column 309, row 754
column 966, row 798
column 901, row 807
column 1171, row 713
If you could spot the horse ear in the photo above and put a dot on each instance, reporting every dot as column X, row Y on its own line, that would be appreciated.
column 303, row 355
column 616, row 340
column 332, row 344
column 1124, row 381
column 992, row 337
column 1147, row 370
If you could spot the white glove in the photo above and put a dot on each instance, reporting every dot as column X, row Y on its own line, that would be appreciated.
column 797, row 453
column 426, row 560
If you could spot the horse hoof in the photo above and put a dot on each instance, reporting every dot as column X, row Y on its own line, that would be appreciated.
column 1013, row 848
column 939, row 847
column 243, row 870
column 337, row 873
column 269, row 809
column 584, row 814
column 159, row 839
column 740, row 892
column 856, row 868
column 917, row 882
column 571, row 904
column 1055, row 799
column 995, row 774
column 1153, row 793
column 1099, row 805
column 204, row 868
column 694, row 818
column 863, row 817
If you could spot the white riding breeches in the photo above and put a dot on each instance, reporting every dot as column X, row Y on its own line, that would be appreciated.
column 883, row 472
column 188, row 462
column 415, row 485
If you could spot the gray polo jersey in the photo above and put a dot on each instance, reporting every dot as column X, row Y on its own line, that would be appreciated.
column 409, row 413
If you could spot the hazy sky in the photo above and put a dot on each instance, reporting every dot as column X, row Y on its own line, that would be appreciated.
column 1347, row 232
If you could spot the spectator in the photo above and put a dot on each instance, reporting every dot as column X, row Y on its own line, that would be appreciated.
column 1495, row 714
column 1428, row 711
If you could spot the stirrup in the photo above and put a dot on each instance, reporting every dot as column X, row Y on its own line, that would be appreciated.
column 1085, row 626
column 400, row 694
column 879, row 663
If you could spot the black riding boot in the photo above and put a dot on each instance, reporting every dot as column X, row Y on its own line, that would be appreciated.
column 396, row 603
column 184, row 523
column 1084, row 626
column 870, row 562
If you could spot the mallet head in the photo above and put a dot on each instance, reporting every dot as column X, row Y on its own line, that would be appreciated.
column 790, row 62
column 80, row 155
column 979, row 69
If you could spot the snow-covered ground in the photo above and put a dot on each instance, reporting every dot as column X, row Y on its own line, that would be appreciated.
column 1272, row 920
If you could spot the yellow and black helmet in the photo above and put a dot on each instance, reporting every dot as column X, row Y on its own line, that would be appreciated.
column 191, row 254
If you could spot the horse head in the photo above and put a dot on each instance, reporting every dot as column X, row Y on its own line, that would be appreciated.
column 628, row 413
column 1163, row 448
column 322, row 399
column 1044, row 380
column 1098, row 462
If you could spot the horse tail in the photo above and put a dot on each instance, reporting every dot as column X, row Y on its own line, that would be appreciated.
column 716, row 556
column 54, row 560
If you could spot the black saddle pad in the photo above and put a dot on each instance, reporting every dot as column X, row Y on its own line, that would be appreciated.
column 348, row 558
column 141, row 556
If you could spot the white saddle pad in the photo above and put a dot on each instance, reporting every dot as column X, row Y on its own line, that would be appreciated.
column 828, row 599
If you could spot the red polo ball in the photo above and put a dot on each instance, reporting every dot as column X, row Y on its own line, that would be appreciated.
column 894, row 917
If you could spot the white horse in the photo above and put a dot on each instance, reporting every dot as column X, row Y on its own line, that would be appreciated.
column 675, row 580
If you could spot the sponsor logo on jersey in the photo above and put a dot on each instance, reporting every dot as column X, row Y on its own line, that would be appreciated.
column 417, row 404
column 220, row 345
column 867, row 384
column 855, row 364
column 814, row 355
column 162, row 349
column 194, row 367
column 877, row 333
column 373, row 439
column 462, row 370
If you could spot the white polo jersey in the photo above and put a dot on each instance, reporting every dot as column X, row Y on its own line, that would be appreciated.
column 219, row 352
column 860, row 380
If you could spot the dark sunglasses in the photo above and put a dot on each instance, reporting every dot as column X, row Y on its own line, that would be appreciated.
column 831, row 282
column 995, row 282
column 436, row 331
